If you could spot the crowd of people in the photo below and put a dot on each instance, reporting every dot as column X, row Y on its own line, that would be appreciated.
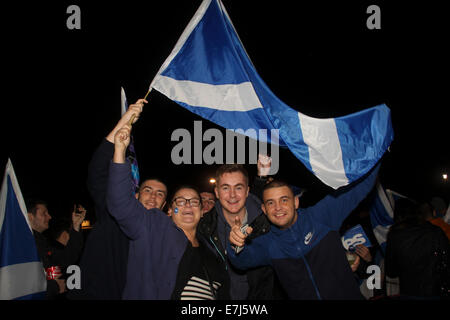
column 239, row 242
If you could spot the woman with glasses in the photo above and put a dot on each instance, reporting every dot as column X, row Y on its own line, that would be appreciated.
column 167, row 259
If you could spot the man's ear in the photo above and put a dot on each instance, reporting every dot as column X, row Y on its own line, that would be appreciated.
column 263, row 208
column 136, row 195
column 169, row 212
column 297, row 202
column 216, row 192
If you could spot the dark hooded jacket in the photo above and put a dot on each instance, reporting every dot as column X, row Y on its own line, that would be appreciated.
column 254, row 284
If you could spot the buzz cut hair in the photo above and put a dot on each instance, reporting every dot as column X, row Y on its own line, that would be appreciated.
column 277, row 184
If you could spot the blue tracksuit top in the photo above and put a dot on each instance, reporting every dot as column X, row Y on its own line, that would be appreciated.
column 156, row 243
column 308, row 257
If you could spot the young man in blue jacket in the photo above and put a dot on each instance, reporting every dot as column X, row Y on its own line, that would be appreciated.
column 303, row 245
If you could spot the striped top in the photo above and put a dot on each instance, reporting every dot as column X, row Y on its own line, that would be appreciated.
column 199, row 289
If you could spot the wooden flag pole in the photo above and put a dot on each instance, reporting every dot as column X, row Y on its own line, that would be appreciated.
column 130, row 123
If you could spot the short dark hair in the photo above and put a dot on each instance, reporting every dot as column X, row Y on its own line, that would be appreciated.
column 230, row 168
column 277, row 184
column 32, row 204
column 154, row 179
column 151, row 178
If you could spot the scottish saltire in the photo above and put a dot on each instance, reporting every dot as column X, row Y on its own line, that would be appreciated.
column 22, row 274
column 209, row 73
column 131, row 154
column 382, row 213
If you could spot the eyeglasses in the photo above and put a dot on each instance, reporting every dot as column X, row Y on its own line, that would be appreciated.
column 181, row 202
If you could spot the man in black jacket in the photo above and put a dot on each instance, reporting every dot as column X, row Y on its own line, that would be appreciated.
column 51, row 255
column 104, row 261
column 234, row 200
column 418, row 253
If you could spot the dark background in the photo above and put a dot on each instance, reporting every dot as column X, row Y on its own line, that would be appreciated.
column 61, row 88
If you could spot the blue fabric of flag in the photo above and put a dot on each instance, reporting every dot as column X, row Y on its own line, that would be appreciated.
column 131, row 153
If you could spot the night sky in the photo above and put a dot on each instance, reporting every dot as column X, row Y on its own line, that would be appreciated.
column 62, row 91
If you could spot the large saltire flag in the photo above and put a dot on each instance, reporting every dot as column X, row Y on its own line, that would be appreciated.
column 22, row 274
column 382, row 213
column 209, row 73
column 131, row 153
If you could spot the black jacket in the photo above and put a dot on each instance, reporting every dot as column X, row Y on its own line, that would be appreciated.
column 104, row 261
column 263, row 284
column 419, row 255
column 53, row 254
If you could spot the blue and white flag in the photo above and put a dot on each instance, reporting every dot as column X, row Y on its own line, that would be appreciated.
column 131, row 154
column 22, row 275
column 209, row 73
column 382, row 213
column 354, row 236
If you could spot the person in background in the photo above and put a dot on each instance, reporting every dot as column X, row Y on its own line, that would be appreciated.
column 54, row 259
column 208, row 201
column 435, row 213
column 418, row 253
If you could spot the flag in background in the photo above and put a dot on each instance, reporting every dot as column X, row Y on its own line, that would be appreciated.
column 209, row 73
column 382, row 213
column 22, row 274
column 131, row 154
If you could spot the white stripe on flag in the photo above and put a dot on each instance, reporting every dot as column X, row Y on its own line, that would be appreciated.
column 16, row 189
column 325, row 154
column 227, row 97
column 386, row 200
column 22, row 279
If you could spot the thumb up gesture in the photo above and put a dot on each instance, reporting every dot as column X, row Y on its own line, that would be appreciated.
column 237, row 236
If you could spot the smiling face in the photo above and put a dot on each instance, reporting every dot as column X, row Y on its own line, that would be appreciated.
column 232, row 192
column 280, row 206
column 152, row 194
column 186, row 209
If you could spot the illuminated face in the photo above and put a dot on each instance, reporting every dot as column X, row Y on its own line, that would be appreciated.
column 40, row 220
column 280, row 206
column 208, row 201
column 152, row 194
column 232, row 192
column 186, row 208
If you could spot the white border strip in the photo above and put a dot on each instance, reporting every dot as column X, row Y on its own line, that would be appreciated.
column 22, row 279
column 10, row 171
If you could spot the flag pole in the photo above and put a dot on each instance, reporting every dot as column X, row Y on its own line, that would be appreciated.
column 130, row 123
column 145, row 98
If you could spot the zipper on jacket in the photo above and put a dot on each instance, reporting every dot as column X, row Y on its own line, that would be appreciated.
column 307, row 266
column 217, row 249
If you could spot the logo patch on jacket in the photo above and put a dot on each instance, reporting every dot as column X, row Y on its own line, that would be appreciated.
column 308, row 237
